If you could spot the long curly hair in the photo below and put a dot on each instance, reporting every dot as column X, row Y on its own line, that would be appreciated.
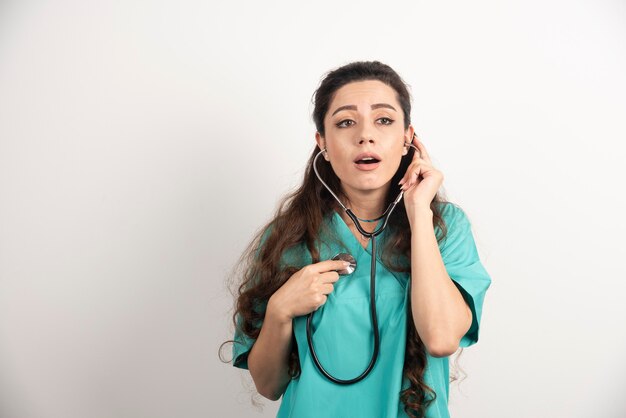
column 300, row 215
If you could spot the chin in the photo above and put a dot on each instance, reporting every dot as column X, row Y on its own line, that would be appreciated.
column 370, row 186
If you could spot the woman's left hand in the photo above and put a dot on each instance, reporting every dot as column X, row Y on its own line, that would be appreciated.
column 421, row 181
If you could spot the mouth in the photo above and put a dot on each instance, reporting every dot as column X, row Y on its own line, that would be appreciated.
column 367, row 160
column 367, row 163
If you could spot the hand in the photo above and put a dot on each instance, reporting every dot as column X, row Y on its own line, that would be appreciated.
column 421, row 181
column 306, row 290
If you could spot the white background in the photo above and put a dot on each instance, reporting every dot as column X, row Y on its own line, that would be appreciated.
column 142, row 143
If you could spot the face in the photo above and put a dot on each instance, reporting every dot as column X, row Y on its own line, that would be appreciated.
column 365, row 135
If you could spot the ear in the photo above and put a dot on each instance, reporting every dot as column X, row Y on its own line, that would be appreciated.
column 408, row 139
column 321, row 143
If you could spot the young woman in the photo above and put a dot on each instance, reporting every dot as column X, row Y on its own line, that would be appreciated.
column 315, row 336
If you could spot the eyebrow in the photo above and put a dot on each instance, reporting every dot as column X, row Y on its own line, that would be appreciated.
column 374, row 106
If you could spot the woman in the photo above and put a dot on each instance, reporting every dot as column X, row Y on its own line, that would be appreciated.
column 430, row 283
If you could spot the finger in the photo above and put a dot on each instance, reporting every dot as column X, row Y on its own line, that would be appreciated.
column 407, row 174
column 418, row 151
column 323, row 299
column 415, row 176
column 329, row 277
column 330, row 265
column 417, row 160
column 424, row 154
column 327, row 288
column 414, row 171
column 413, row 179
column 410, row 175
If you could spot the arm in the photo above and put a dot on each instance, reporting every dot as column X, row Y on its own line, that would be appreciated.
column 440, row 313
column 305, row 291
column 268, row 358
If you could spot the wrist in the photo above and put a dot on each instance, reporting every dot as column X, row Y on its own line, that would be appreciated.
column 420, row 214
column 277, row 312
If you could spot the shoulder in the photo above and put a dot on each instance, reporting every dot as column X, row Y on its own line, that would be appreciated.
column 457, row 225
column 452, row 213
column 454, row 218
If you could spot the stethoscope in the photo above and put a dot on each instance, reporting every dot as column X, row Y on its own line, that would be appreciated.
column 349, row 270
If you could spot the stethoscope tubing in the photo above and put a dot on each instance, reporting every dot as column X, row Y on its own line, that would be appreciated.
column 373, row 236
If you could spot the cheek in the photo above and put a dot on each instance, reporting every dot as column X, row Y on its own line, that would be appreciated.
column 337, row 153
column 338, row 159
column 394, row 164
column 341, row 165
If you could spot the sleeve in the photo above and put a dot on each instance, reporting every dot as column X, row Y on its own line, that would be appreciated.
column 460, row 256
column 241, row 347
column 296, row 256
column 242, row 342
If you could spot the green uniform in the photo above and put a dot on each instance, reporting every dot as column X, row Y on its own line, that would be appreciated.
column 342, row 329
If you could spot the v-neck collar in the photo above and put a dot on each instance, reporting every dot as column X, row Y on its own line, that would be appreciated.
column 353, row 241
column 353, row 246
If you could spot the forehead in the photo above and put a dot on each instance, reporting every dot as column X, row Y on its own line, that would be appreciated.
column 364, row 92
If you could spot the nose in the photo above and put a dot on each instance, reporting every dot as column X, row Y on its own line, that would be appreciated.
column 366, row 134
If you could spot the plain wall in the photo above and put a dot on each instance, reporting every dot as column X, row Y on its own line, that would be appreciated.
column 142, row 143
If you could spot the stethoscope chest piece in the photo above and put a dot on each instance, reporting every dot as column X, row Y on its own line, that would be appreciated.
column 346, row 257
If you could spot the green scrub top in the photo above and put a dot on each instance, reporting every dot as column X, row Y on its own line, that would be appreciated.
column 342, row 329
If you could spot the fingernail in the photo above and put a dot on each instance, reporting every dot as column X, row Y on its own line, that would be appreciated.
column 346, row 263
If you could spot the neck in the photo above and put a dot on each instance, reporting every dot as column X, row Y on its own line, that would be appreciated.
column 368, row 204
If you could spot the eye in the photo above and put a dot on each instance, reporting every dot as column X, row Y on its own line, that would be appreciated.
column 386, row 121
column 343, row 123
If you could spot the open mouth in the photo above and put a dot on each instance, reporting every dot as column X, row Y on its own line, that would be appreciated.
column 367, row 160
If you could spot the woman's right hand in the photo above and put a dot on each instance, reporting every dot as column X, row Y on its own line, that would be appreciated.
column 306, row 290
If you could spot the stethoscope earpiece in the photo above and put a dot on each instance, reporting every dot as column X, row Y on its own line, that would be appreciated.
column 413, row 146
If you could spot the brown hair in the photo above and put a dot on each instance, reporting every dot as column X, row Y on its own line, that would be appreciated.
column 299, row 217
